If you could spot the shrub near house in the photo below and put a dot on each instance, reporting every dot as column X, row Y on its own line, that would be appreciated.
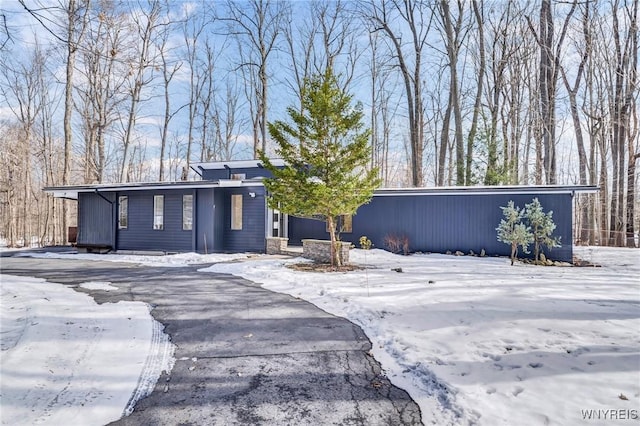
column 538, row 229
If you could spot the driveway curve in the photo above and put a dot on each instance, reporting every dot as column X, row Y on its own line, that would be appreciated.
column 244, row 355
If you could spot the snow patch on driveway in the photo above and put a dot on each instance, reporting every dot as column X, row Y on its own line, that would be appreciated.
column 98, row 285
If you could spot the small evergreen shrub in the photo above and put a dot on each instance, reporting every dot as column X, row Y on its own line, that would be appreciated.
column 511, row 231
column 542, row 227
column 365, row 243
column 521, row 227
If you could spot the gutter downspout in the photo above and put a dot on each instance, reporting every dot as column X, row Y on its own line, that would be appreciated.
column 102, row 196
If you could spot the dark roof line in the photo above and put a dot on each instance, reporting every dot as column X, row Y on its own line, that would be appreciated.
column 513, row 189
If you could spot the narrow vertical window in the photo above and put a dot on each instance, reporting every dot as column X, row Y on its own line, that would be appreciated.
column 236, row 212
column 123, row 212
column 187, row 212
column 158, row 212
column 346, row 224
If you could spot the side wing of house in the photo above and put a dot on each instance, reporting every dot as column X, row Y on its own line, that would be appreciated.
column 441, row 223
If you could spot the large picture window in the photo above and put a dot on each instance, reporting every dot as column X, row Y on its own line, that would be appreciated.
column 123, row 212
column 158, row 212
column 236, row 212
column 187, row 212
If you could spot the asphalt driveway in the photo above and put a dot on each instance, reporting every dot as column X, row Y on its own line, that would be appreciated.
column 244, row 355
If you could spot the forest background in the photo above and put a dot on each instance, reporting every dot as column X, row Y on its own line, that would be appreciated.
column 455, row 93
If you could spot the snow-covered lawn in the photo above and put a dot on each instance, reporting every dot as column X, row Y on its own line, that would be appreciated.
column 173, row 260
column 477, row 341
column 473, row 340
column 66, row 360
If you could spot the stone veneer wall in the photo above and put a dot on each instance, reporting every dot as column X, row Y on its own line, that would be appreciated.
column 277, row 245
column 320, row 250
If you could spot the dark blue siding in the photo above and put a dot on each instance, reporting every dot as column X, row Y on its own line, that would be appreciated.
column 440, row 223
column 140, row 234
column 96, row 219
column 204, row 221
column 252, row 235
column 250, row 172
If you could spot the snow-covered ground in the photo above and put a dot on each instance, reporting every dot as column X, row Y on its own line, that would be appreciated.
column 475, row 340
column 173, row 260
column 66, row 360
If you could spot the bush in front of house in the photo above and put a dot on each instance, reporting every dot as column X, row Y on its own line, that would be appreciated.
column 522, row 227
column 512, row 231
column 397, row 243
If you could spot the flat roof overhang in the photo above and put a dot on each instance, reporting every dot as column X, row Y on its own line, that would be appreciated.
column 487, row 190
column 236, row 164
column 71, row 192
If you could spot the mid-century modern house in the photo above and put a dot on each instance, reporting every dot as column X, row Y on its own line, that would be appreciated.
column 226, row 211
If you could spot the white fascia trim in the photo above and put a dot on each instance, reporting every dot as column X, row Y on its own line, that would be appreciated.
column 239, row 164
column 68, row 194
column 399, row 192
column 73, row 192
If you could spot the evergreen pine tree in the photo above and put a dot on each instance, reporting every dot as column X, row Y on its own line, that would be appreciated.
column 326, row 151
column 542, row 227
column 512, row 231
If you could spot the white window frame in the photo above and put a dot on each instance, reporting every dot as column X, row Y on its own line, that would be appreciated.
column 236, row 212
column 187, row 212
column 158, row 212
column 123, row 212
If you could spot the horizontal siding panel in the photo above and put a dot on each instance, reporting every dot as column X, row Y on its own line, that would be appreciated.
column 252, row 235
column 140, row 234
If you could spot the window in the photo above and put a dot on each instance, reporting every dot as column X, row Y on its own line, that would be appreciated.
column 158, row 212
column 123, row 212
column 238, row 176
column 187, row 212
column 236, row 212
column 344, row 224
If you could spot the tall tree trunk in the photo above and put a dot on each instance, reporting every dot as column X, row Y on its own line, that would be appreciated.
column 452, row 34
column 477, row 105
column 632, row 133
column 547, row 93
column 577, row 125
column 68, row 109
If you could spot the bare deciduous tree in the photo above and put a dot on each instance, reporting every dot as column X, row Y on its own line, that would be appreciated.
column 146, row 23
column 416, row 17
column 256, row 25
